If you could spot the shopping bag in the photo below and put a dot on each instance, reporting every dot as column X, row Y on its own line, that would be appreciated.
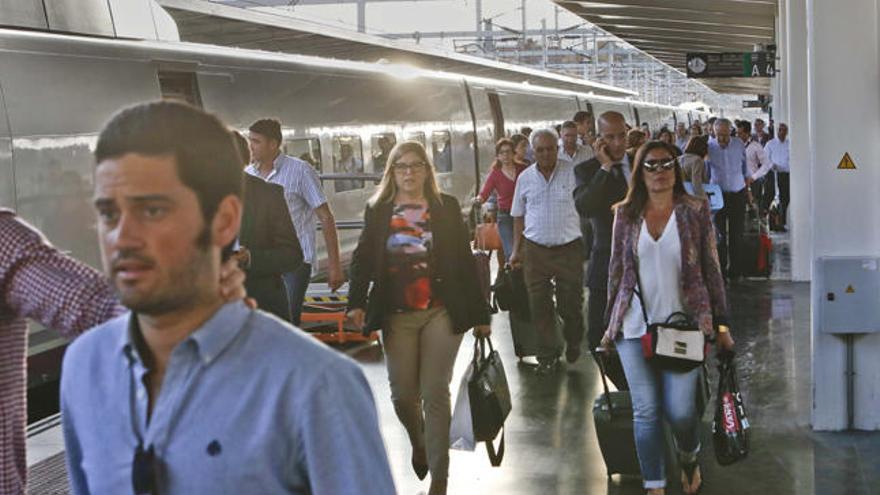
column 489, row 398
column 461, row 427
column 730, row 428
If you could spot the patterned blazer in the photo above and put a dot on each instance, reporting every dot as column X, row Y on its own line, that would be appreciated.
column 702, row 286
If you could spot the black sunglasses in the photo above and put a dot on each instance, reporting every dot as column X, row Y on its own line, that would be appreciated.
column 143, row 471
column 659, row 165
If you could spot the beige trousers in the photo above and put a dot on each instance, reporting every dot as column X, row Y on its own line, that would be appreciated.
column 420, row 350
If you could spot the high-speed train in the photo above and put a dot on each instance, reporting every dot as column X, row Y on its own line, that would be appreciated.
column 56, row 92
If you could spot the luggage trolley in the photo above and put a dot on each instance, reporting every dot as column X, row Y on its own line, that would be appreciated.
column 323, row 316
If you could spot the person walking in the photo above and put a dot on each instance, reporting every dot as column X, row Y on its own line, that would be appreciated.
column 778, row 152
column 502, row 181
column 664, row 238
column 693, row 164
column 414, row 250
column 727, row 168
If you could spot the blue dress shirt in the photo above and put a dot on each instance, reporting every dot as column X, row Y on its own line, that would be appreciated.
column 727, row 165
column 248, row 404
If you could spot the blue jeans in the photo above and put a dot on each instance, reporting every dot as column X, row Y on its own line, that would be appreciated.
column 505, row 231
column 296, row 283
column 657, row 395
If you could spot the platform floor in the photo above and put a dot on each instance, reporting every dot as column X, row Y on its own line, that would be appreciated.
column 551, row 441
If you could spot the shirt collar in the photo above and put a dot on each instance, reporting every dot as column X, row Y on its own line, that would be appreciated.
column 210, row 339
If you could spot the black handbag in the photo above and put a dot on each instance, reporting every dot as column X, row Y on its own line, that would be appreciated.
column 489, row 398
column 730, row 427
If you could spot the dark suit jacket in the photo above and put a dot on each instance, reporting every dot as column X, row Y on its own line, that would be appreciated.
column 454, row 277
column 595, row 192
column 267, row 232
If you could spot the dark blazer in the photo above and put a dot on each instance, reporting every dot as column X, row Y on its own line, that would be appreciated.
column 452, row 265
column 267, row 232
column 595, row 192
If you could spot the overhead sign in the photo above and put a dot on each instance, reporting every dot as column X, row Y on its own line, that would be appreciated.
column 846, row 163
column 752, row 104
column 741, row 64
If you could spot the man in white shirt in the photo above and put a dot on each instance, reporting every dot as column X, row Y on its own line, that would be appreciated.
column 547, row 244
column 586, row 127
column 307, row 204
column 758, row 166
column 777, row 150
column 681, row 136
column 571, row 150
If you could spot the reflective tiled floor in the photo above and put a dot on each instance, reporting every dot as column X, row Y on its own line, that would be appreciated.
column 551, row 442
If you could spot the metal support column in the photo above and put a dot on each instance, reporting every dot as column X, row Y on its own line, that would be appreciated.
column 611, row 63
column 362, row 15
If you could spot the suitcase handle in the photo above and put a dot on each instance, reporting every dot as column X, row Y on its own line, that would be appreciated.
column 598, row 354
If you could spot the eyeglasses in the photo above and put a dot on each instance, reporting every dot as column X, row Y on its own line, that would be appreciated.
column 659, row 165
column 143, row 471
column 402, row 168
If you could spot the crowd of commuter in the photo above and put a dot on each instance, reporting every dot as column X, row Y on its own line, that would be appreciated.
column 198, row 225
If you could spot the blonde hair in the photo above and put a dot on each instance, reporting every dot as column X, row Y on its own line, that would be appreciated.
column 387, row 189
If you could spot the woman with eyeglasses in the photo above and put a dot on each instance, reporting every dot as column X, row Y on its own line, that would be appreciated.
column 663, row 237
column 413, row 256
column 502, row 181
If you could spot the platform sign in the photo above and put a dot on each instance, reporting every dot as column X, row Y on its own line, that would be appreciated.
column 740, row 64
column 752, row 104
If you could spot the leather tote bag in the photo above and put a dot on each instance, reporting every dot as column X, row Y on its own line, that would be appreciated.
column 489, row 398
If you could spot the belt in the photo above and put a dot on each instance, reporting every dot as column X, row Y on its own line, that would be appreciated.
column 558, row 246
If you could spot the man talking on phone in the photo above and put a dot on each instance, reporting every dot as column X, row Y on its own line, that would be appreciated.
column 600, row 183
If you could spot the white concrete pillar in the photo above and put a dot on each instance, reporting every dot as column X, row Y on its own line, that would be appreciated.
column 780, row 86
column 844, row 117
column 800, row 210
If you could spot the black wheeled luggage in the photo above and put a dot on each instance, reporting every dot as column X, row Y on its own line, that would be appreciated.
column 613, row 417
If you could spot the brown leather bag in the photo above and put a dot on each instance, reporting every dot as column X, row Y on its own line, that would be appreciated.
column 486, row 237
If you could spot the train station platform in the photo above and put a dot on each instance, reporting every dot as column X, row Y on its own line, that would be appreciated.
column 551, row 440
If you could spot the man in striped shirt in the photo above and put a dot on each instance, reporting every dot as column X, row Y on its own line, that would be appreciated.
column 305, row 201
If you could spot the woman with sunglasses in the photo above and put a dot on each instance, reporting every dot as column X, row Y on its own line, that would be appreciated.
column 502, row 181
column 663, row 237
column 413, row 251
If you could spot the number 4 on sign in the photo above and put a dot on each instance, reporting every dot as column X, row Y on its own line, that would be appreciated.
column 846, row 163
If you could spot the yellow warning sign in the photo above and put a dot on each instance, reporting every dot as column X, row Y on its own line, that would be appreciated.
column 846, row 163
column 850, row 289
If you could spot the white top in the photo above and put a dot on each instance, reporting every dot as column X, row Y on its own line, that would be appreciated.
column 660, row 271
column 757, row 160
column 777, row 152
column 304, row 194
column 548, row 206
column 581, row 154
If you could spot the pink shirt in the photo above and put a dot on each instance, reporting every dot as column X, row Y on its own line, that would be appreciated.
column 502, row 185
column 37, row 282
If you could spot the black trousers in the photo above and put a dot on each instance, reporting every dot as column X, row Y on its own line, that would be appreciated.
column 784, row 178
column 730, row 221
column 598, row 300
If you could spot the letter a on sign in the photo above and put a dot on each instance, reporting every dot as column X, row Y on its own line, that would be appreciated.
column 846, row 163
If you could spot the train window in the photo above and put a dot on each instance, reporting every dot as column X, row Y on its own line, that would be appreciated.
column 381, row 145
column 416, row 136
column 441, row 146
column 307, row 149
column 181, row 86
column 348, row 158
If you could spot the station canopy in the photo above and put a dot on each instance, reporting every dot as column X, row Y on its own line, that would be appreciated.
column 669, row 29
column 201, row 21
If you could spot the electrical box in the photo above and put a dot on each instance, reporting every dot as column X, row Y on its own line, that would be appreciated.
column 849, row 294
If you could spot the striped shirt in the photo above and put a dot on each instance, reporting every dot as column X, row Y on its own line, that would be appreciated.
column 40, row 283
column 548, row 206
column 304, row 194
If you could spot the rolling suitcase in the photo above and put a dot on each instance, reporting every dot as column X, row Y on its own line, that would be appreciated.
column 613, row 417
column 757, row 247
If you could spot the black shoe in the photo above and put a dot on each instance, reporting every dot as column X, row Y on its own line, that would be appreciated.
column 547, row 367
column 572, row 354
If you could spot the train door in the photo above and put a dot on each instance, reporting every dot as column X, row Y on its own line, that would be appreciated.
column 497, row 115
column 7, row 172
column 636, row 115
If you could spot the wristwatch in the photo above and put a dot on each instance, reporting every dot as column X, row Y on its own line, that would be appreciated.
column 723, row 329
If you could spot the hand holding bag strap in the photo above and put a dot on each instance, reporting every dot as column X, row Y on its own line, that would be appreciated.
column 604, row 381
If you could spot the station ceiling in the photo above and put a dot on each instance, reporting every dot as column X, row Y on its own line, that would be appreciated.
column 201, row 21
column 669, row 29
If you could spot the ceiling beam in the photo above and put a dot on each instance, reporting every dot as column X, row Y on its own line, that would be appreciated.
column 748, row 7
column 722, row 18
column 684, row 31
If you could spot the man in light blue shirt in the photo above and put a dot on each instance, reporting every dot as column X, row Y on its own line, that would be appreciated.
column 727, row 167
column 186, row 393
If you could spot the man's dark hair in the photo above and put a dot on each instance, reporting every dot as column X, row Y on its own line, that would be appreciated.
column 271, row 128
column 205, row 155
column 759, row 119
column 712, row 120
column 241, row 144
column 744, row 125
column 582, row 116
column 569, row 124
